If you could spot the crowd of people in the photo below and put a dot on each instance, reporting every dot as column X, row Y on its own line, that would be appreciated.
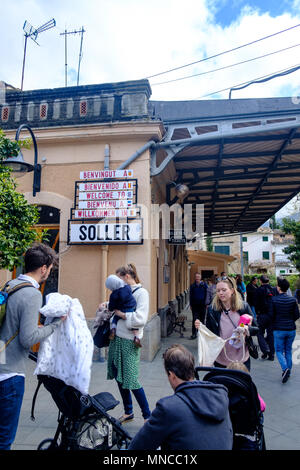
column 197, row 415
column 274, row 312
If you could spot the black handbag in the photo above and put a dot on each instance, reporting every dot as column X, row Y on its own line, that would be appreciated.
column 101, row 338
column 252, row 348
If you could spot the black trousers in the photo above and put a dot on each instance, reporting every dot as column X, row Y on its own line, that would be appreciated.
column 266, row 344
column 198, row 314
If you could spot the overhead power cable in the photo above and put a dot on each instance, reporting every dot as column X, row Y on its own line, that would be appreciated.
column 224, row 52
column 279, row 73
column 226, row 66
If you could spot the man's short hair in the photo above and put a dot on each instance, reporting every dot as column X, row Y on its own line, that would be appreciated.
column 179, row 360
column 39, row 255
column 283, row 284
column 253, row 278
column 264, row 279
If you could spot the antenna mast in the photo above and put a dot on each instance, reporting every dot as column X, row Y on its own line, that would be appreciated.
column 32, row 33
column 80, row 31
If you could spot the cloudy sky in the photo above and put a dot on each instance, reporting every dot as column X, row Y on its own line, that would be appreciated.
column 135, row 39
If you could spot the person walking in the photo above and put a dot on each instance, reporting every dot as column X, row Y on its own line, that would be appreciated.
column 283, row 312
column 195, row 417
column 211, row 291
column 251, row 290
column 197, row 302
column 265, row 293
column 222, row 319
column 22, row 311
column 123, row 355
column 241, row 288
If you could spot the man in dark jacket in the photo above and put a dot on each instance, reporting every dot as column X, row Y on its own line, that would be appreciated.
column 263, row 299
column 197, row 302
column 251, row 290
column 283, row 312
column 196, row 417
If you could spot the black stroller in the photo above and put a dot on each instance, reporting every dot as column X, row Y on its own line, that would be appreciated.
column 83, row 421
column 244, row 406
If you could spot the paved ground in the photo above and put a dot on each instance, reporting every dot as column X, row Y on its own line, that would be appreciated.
column 282, row 416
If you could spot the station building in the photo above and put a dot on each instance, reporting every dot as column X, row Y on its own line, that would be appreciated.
column 110, row 160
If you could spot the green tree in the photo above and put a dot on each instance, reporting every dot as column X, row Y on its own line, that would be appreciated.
column 209, row 243
column 17, row 217
column 290, row 226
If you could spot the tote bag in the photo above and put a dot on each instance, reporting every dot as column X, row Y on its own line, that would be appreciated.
column 209, row 346
column 101, row 338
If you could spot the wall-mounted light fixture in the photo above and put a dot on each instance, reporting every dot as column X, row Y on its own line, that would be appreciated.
column 20, row 167
column 181, row 190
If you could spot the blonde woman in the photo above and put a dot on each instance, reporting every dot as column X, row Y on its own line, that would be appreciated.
column 123, row 355
column 222, row 319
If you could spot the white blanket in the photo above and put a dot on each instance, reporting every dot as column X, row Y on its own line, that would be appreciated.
column 67, row 353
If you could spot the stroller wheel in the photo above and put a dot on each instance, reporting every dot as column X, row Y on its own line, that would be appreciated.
column 47, row 444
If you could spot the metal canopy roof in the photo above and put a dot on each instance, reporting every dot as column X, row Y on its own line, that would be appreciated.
column 243, row 167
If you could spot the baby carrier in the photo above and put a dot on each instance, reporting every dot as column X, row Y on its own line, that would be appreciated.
column 83, row 421
column 244, row 406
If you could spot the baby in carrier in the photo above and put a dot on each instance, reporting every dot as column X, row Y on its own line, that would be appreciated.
column 121, row 298
column 244, row 442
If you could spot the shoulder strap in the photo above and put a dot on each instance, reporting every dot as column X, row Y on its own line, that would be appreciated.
column 34, row 398
column 12, row 290
column 9, row 292
column 137, row 288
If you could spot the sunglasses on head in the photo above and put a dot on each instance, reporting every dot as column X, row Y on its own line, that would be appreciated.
column 228, row 279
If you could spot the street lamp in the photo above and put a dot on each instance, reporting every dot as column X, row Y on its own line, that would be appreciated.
column 20, row 167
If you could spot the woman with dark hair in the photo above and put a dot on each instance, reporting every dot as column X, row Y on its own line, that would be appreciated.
column 222, row 319
column 123, row 355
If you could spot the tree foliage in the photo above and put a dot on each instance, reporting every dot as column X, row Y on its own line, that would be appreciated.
column 209, row 243
column 290, row 226
column 17, row 217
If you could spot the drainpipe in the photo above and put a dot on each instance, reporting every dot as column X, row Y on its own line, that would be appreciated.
column 106, row 157
column 137, row 154
column 242, row 258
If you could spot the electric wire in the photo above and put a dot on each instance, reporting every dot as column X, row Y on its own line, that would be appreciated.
column 222, row 53
column 226, row 66
column 254, row 80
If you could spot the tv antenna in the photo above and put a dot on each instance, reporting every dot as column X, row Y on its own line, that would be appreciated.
column 32, row 33
column 65, row 33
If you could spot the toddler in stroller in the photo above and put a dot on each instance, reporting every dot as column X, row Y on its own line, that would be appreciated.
column 83, row 421
column 244, row 406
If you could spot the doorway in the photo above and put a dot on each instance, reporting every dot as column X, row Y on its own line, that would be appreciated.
column 49, row 223
column 207, row 274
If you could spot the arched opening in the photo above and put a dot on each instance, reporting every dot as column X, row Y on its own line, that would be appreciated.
column 48, row 222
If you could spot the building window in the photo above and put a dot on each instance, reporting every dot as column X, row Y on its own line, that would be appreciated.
column 43, row 111
column 245, row 239
column 223, row 250
column 5, row 113
column 266, row 254
column 265, row 239
column 83, row 108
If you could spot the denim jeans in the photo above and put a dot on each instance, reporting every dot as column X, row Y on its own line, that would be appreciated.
column 283, row 347
column 140, row 397
column 11, row 397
